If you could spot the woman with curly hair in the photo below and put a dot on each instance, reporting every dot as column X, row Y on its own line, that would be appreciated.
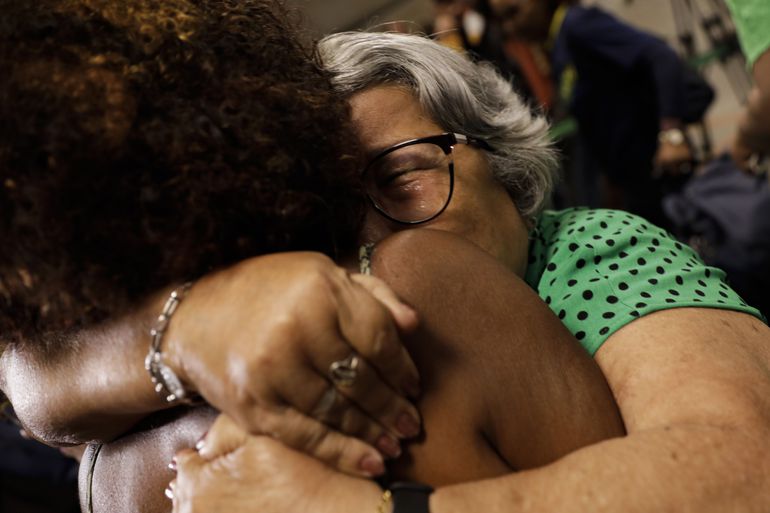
column 146, row 144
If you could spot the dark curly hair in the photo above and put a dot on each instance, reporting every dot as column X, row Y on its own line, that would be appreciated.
column 147, row 142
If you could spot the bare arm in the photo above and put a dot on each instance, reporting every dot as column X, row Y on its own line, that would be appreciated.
column 694, row 389
column 234, row 339
column 693, row 386
column 505, row 386
column 499, row 368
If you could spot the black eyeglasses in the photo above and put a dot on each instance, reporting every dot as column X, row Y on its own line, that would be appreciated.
column 412, row 182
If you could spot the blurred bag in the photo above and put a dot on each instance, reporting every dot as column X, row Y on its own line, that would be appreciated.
column 724, row 214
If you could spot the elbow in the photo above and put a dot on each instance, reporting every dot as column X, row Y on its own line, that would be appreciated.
column 40, row 418
column 44, row 414
column 47, row 420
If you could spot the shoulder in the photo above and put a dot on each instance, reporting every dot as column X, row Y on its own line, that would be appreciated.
column 421, row 264
column 413, row 251
column 576, row 234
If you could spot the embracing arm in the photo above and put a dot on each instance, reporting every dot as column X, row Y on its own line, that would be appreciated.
column 504, row 385
column 693, row 386
column 282, row 315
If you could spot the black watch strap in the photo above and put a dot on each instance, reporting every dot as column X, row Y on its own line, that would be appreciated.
column 410, row 497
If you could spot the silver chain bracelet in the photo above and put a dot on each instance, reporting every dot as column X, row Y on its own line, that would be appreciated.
column 166, row 382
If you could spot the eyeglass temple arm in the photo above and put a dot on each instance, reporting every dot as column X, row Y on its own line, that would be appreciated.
column 481, row 143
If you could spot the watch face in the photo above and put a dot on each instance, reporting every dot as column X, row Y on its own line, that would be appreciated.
column 672, row 136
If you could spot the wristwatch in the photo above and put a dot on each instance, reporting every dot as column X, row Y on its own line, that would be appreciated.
column 673, row 136
column 410, row 497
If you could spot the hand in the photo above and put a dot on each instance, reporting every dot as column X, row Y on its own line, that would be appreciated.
column 242, row 473
column 673, row 159
column 256, row 341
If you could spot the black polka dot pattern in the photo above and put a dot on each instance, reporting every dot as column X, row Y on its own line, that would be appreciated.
column 598, row 270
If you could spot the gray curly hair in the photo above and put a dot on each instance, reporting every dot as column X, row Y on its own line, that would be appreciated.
column 460, row 95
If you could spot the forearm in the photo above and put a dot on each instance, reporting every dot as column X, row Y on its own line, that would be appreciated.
column 93, row 387
column 692, row 385
column 704, row 468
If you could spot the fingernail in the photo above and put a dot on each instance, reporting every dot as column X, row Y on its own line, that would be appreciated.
column 388, row 446
column 372, row 465
column 407, row 425
column 408, row 310
column 169, row 493
column 172, row 465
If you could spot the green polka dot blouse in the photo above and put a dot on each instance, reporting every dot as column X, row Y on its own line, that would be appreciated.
column 598, row 270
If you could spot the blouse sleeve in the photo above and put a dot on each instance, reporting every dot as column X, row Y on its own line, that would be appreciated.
column 602, row 269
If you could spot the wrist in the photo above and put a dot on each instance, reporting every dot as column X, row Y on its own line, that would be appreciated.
column 163, row 368
column 447, row 500
column 366, row 499
column 669, row 123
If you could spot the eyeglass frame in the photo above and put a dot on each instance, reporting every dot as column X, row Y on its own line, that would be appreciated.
column 446, row 142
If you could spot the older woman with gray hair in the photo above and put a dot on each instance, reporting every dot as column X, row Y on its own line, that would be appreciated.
column 686, row 358
column 451, row 151
column 462, row 96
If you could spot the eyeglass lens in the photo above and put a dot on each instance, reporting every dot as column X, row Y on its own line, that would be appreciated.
column 410, row 184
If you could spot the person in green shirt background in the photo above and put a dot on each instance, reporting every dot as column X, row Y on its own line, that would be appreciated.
column 753, row 136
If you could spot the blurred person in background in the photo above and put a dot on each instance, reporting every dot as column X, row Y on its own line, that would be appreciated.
column 625, row 88
column 725, row 213
column 468, row 26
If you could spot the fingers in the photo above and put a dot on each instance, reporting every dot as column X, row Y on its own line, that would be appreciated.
column 311, row 437
column 369, row 408
column 322, row 401
column 381, row 402
column 404, row 316
column 297, row 430
column 188, row 465
column 333, row 408
column 368, row 327
column 289, row 388
column 223, row 437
